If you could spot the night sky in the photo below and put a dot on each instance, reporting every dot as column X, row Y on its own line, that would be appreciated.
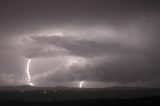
column 100, row 42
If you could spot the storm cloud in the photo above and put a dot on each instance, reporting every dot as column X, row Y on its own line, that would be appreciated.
column 92, row 40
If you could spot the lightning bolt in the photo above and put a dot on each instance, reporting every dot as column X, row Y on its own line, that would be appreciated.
column 81, row 84
column 73, row 62
column 28, row 73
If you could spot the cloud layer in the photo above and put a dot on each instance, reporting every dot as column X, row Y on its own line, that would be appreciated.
column 96, row 41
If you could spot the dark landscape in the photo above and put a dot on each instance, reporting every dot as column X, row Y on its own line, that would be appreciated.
column 26, row 95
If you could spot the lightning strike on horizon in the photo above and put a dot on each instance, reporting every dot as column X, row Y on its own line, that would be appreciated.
column 79, row 61
column 81, row 84
column 28, row 73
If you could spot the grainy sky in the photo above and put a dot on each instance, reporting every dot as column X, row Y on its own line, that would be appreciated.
column 101, row 42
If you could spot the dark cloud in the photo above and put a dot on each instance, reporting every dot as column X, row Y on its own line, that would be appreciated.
column 117, row 41
column 37, row 52
column 123, row 69
column 83, row 47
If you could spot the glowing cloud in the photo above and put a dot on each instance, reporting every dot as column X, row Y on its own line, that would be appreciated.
column 79, row 61
column 59, row 33
column 72, row 62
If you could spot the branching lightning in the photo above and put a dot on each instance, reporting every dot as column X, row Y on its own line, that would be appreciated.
column 71, row 62
column 76, row 61
column 28, row 73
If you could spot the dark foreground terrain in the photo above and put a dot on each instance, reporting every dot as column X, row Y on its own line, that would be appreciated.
column 87, row 102
column 27, row 95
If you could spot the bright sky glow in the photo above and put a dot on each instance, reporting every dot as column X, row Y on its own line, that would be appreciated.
column 59, row 33
column 72, row 62
column 79, row 61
